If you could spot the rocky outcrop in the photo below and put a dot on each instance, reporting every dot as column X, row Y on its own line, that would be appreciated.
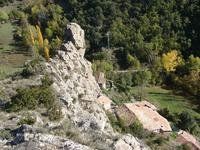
column 77, row 36
column 27, row 137
column 76, row 88
column 77, row 91
column 128, row 142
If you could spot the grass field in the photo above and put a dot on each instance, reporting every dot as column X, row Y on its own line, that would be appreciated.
column 6, row 38
column 163, row 98
column 12, row 57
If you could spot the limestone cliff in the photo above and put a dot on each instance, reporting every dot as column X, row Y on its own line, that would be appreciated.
column 77, row 91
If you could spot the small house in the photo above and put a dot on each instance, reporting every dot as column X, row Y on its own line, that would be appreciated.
column 147, row 115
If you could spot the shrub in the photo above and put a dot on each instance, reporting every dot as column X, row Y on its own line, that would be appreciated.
column 31, row 98
column 102, row 66
column 54, row 112
column 16, row 14
column 25, row 98
column 31, row 68
column 46, row 81
column 114, row 122
column 189, row 123
column 123, row 81
column 136, row 129
column 55, row 45
column 142, row 77
column 167, row 114
column 133, row 62
column 159, row 140
column 3, row 16
column 30, row 120
column 5, row 134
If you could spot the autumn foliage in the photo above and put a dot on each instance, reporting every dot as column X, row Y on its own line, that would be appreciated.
column 40, row 37
column 38, row 43
column 171, row 60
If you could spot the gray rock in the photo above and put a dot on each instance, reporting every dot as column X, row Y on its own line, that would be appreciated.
column 27, row 137
column 77, row 36
column 128, row 142
column 76, row 87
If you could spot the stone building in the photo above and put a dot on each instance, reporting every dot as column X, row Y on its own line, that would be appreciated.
column 147, row 115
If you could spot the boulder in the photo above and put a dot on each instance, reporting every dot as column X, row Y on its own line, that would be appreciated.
column 128, row 142
column 77, row 35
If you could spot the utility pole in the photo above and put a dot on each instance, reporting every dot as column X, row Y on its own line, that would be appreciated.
column 108, row 39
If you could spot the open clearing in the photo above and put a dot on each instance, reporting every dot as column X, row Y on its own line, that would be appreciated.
column 12, row 57
column 163, row 98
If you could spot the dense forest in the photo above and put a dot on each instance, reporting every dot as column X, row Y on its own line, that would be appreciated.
column 139, row 32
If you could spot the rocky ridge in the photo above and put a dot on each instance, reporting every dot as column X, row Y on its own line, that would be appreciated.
column 77, row 91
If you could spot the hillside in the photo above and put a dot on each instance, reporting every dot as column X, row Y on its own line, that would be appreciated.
column 100, row 74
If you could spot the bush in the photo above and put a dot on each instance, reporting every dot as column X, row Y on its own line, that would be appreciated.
column 32, row 68
column 31, row 98
column 167, row 114
column 16, row 14
column 114, row 122
column 142, row 77
column 133, row 62
column 5, row 134
column 46, row 81
column 3, row 16
column 30, row 120
column 54, row 112
column 25, row 98
column 102, row 66
column 187, row 122
column 136, row 129
column 123, row 81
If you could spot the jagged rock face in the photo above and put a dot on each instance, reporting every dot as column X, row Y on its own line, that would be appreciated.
column 27, row 137
column 77, row 36
column 75, row 84
column 128, row 142
column 77, row 89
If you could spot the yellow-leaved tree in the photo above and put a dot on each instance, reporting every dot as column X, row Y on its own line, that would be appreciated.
column 38, row 43
column 40, row 37
column 171, row 60
column 32, row 39
column 46, row 49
